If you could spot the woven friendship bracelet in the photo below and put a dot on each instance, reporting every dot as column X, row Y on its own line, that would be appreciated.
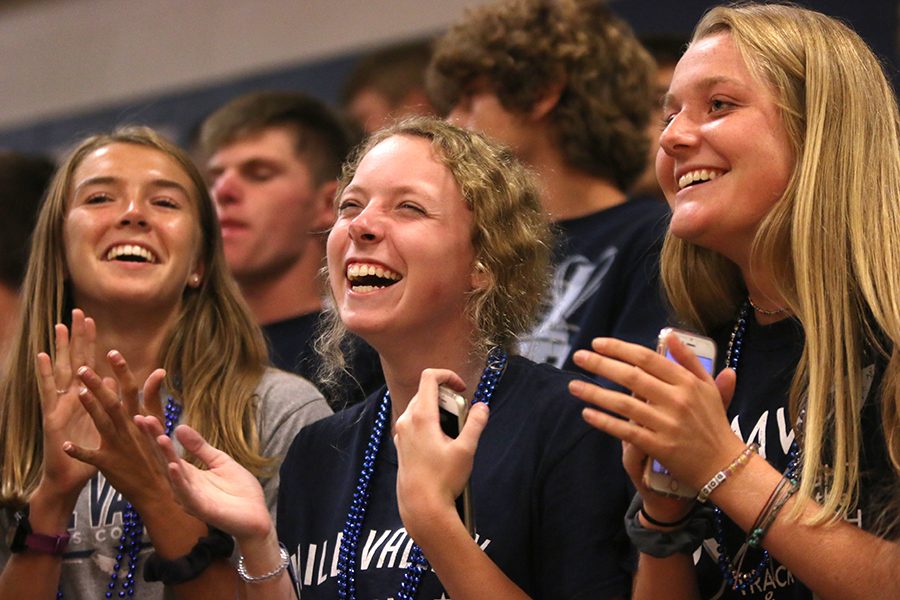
column 720, row 477
column 779, row 497
column 247, row 578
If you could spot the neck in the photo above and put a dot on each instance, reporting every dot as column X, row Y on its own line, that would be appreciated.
column 137, row 334
column 403, row 370
column 290, row 293
column 568, row 193
column 763, row 292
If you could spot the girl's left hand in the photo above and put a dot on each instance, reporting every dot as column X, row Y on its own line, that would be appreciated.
column 433, row 468
column 127, row 457
column 676, row 412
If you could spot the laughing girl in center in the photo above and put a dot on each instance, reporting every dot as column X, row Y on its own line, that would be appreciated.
column 438, row 260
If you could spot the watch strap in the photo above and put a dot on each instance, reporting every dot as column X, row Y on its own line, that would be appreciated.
column 24, row 538
column 47, row 544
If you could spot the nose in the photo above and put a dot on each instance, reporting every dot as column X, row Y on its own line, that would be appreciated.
column 681, row 133
column 367, row 226
column 226, row 188
column 133, row 215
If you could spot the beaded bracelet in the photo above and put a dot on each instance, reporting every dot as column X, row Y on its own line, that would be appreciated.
column 247, row 578
column 720, row 477
column 786, row 488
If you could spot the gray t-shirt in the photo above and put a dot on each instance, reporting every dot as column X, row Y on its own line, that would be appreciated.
column 286, row 404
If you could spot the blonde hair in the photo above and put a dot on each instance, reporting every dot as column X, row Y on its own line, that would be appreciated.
column 214, row 356
column 831, row 240
column 510, row 235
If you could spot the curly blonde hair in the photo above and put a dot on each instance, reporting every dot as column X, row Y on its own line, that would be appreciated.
column 510, row 235
column 524, row 48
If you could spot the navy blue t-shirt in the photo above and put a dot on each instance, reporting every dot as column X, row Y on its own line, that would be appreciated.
column 549, row 496
column 759, row 413
column 605, row 283
column 290, row 343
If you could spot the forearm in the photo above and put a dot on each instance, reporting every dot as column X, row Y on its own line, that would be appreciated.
column 671, row 578
column 262, row 555
column 836, row 561
column 174, row 534
column 33, row 574
column 30, row 575
column 463, row 568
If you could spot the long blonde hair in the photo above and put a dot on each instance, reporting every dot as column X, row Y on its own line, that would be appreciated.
column 214, row 355
column 831, row 240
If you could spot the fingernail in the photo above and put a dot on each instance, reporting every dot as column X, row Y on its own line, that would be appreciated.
column 114, row 356
column 82, row 370
column 67, row 446
column 580, row 356
column 83, row 392
column 576, row 386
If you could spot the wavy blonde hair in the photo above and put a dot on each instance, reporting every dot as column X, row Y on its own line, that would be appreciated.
column 214, row 356
column 838, row 224
column 510, row 234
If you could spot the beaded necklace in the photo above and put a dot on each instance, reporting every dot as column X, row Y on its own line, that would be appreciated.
column 133, row 529
column 418, row 564
column 731, row 568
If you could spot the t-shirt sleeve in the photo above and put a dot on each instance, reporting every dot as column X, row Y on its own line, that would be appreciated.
column 287, row 403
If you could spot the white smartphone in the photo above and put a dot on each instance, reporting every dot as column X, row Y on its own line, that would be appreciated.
column 656, row 476
column 453, row 410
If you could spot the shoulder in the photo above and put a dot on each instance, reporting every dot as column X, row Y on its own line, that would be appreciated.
column 537, row 395
column 337, row 430
column 284, row 396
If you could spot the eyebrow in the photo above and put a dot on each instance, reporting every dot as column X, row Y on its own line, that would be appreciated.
column 704, row 84
column 156, row 183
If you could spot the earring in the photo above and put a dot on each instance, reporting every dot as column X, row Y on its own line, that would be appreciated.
column 194, row 281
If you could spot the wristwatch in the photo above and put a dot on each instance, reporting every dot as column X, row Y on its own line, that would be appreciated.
column 22, row 538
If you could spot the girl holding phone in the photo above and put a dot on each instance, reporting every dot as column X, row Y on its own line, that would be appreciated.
column 781, row 162
column 438, row 260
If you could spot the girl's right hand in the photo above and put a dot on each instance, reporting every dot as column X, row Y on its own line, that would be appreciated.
column 226, row 495
column 64, row 418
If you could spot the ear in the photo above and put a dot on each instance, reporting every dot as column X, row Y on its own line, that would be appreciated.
column 324, row 202
column 196, row 276
column 481, row 278
column 547, row 102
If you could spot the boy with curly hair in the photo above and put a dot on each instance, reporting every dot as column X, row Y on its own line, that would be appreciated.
column 567, row 86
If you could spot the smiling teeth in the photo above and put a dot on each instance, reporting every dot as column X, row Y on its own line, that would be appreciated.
column 361, row 270
column 130, row 250
column 695, row 176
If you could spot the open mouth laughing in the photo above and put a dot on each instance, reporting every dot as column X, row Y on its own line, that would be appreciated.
column 365, row 277
column 131, row 253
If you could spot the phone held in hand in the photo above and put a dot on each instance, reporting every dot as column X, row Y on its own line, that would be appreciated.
column 454, row 409
column 656, row 476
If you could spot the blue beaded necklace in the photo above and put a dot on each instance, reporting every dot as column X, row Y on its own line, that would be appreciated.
column 133, row 529
column 418, row 564
column 731, row 568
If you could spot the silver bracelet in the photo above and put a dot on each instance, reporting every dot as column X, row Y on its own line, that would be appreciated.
column 248, row 578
